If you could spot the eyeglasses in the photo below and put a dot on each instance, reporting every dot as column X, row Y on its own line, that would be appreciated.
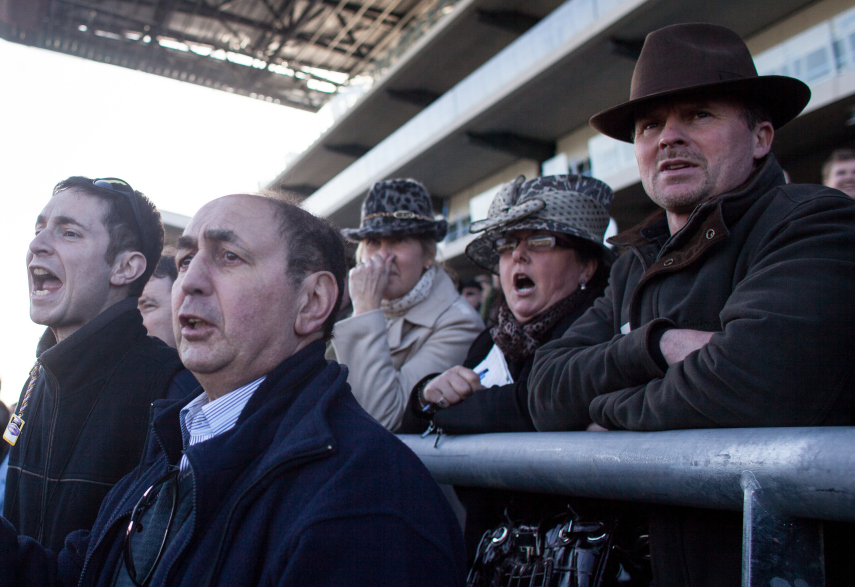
column 114, row 184
column 535, row 242
column 169, row 481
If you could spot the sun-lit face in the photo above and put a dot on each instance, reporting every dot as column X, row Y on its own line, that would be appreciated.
column 409, row 261
column 533, row 281
column 155, row 305
column 233, row 305
column 69, row 278
column 842, row 177
column 690, row 151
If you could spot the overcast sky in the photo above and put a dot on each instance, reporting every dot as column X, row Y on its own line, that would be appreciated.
column 180, row 144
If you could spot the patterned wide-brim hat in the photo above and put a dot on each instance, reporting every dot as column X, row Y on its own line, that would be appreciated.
column 397, row 207
column 566, row 204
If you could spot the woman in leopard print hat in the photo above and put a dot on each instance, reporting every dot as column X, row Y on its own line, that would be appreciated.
column 408, row 319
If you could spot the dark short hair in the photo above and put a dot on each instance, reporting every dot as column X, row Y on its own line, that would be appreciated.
column 464, row 283
column 586, row 250
column 166, row 267
column 837, row 156
column 754, row 115
column 122, row 226
column 313, row 244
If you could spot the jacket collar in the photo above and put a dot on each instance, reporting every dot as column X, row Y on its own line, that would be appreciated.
column 99, row 344
column 286, row 416
column 426, row 312
column 730, row 206
column 283, row 423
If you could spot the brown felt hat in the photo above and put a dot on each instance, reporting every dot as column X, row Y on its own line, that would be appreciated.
column 700, row 60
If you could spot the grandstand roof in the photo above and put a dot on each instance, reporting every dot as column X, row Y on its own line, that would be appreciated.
column 291, row 52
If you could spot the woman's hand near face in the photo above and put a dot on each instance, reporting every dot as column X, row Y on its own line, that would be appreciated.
column 367, row 282
column 452, row 387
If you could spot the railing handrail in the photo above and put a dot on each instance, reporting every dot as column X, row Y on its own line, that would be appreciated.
column 803, row 472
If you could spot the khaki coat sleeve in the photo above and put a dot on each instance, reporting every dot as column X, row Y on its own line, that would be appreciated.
column 362, row 344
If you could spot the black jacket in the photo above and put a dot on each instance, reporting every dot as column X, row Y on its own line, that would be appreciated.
column 499, row 408
column 769, row 269
column 306, row 490
column 85, row 425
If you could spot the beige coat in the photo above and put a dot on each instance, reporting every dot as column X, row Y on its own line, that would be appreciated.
column 387, row 358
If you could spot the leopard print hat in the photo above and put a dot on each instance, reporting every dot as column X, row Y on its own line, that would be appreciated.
column 397, row 207
column 567, row 204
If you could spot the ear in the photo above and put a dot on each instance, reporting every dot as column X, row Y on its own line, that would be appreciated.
column 127, row 267
column 763, row 136
column 589, row 268
column 429, row 257
column 316, row 302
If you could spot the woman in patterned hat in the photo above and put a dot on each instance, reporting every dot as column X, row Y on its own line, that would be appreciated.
column 544, row 238
column 408, row 319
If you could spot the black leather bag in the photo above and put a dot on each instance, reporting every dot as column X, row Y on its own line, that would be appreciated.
column 558, row 551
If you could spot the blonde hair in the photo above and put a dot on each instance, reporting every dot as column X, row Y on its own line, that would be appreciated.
column 427, row 243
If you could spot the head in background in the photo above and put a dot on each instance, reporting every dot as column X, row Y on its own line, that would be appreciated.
column 838, row 171
column 472, row 292
column 155, row 303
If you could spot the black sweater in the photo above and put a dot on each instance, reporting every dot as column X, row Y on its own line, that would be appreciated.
column 86, row 422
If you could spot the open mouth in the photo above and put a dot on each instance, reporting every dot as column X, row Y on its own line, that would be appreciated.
column 44, row 282
column 523, row 283
column 191, row 322
column 675, row 165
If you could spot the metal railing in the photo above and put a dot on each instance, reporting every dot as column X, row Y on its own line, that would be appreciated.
column 784, row 480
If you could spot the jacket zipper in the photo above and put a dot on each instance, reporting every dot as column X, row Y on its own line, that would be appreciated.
column 49, row 380
column 147, row 437
column 192, row 527
column 91, row 550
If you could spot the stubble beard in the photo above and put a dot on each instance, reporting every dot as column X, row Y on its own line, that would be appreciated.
column 685, row 200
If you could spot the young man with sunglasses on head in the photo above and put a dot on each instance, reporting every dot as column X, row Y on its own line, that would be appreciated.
column 82, row 418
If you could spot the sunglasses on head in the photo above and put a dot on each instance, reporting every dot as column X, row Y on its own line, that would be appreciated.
column 534, row 242
column 114, row 184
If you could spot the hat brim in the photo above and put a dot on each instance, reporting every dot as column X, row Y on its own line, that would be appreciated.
column 481, row 251
column 435, row 230
column 783, row 97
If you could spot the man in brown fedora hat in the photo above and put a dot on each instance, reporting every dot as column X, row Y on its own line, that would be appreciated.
column 732, row 307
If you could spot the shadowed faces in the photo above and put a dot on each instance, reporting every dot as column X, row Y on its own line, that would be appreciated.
column 535, row 280
column 690, row 151
column 155, row 305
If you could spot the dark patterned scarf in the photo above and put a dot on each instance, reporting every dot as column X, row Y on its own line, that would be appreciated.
column 519, row 341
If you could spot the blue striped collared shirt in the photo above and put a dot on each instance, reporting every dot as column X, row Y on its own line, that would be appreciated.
column 203, row 419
